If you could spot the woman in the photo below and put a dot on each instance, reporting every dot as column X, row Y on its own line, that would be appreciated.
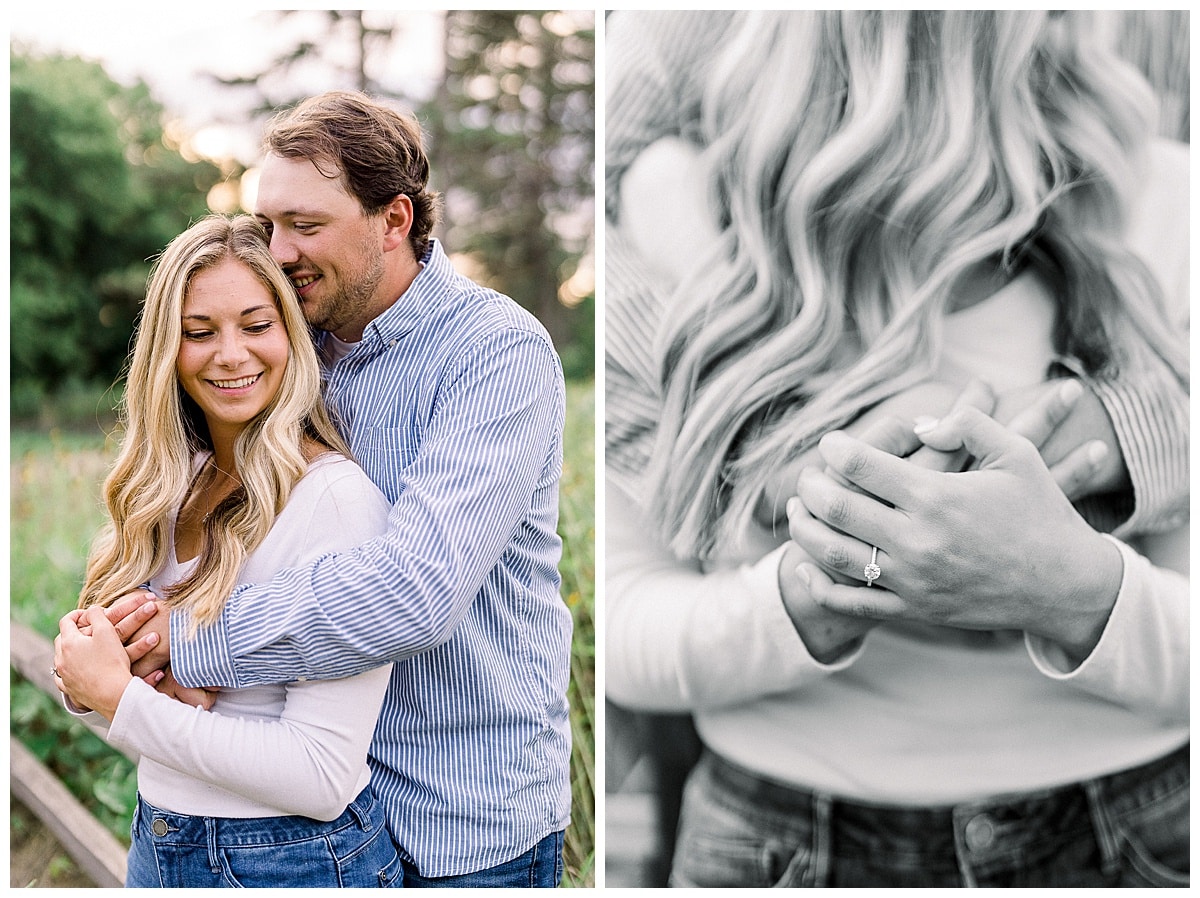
column 901, row 201
column 229, row 471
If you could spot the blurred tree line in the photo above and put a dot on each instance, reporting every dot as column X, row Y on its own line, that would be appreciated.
column 99, row 183
column 95, row 190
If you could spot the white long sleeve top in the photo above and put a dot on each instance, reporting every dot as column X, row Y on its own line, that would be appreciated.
column 296, row 748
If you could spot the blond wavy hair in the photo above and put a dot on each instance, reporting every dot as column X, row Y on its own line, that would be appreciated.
column 861, row 163
column 164, row 429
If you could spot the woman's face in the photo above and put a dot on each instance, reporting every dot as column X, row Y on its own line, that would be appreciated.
column 233, row 347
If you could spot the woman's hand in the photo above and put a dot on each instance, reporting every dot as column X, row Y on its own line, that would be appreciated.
column 1066, row 421
column 995, row 548
column 91, row 662
column 828, row 633
column 928, row 398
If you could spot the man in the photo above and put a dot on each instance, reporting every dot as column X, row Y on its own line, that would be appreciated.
column 452, row 399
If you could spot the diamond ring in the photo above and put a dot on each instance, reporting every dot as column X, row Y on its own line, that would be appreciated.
column 871, row 571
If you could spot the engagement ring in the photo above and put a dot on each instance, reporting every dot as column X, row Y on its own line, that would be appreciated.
column 871, row 571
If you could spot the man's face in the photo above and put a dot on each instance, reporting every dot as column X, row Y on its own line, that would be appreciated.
column 330, row 249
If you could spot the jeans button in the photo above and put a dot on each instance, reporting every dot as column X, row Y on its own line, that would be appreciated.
column 980, row 832
column 159, row 827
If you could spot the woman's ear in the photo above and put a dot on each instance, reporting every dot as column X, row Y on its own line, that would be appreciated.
column 398, row 221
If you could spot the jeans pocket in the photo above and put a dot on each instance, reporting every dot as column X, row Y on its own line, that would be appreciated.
column 1155, row 841
column 725, row 841
column 709, row 862
column 305, row 863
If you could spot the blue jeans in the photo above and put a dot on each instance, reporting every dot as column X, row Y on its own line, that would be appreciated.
column 1126, row 829
column 539, row 867
column 181, row 851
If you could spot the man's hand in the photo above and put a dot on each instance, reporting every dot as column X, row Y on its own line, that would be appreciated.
column 995, row 548
column 198, row 698
column 129, row 616
column 144, row 631
column 1080, row 424
column 1079, row 469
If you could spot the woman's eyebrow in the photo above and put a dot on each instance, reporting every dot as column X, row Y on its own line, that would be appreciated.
column 244, row 313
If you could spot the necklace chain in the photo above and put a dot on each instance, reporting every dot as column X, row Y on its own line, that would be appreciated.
column 212, row 463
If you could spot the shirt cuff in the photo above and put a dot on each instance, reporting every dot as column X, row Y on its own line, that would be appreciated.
column 763, row 577
column 74, row 709
column 1050, row 659
column 204, row 659
column 125, row 717
column 1153, row 436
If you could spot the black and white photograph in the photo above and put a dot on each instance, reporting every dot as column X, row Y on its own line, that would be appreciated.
column 896, row 448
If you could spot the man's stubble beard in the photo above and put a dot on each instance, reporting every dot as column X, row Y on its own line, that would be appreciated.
column 350, row 303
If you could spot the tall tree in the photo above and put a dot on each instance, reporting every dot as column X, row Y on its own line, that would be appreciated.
column 351, row 49
column 95, row 191
column 513, row 136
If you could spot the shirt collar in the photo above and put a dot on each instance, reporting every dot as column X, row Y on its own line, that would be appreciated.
column 430, row 287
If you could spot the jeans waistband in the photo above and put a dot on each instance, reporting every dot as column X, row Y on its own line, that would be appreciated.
column 167, row 826
column 1055, row 809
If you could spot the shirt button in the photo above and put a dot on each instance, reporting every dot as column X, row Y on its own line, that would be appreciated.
column 980, row 832
column 159, row 827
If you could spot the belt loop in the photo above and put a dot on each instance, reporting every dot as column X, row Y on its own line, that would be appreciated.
column 359, row 809
column 1102, row 823
column 210, row 830
column 137, row 813
column 822, row 839
column 809, row 866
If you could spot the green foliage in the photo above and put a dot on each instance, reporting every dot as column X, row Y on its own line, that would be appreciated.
column 95, row 192
column 104, row 780
column 577, row 527
column 512, row 143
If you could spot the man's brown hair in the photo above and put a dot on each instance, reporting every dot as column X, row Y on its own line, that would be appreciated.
column 377, row 151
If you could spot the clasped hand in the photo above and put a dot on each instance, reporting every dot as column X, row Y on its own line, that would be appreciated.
column 995, row 547
column 99, row 650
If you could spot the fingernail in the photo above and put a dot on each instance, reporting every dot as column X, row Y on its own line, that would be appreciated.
column 148, row 607
column 924, row 424
column 1070, row 391
column 802, row 573
column 1096, row 451
column 152, row 639
column 792, row 506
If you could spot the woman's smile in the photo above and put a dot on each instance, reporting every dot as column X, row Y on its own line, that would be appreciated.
column 233, row 347
column 237, row 386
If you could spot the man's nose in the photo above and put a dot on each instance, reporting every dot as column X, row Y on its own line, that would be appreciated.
column 282, row 248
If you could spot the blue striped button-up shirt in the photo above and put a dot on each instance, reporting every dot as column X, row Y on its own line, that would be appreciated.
column 453, row 403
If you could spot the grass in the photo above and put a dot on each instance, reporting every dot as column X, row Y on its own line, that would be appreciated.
column 55, row 478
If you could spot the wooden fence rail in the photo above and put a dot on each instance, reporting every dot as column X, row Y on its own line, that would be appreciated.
column 97, row 852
